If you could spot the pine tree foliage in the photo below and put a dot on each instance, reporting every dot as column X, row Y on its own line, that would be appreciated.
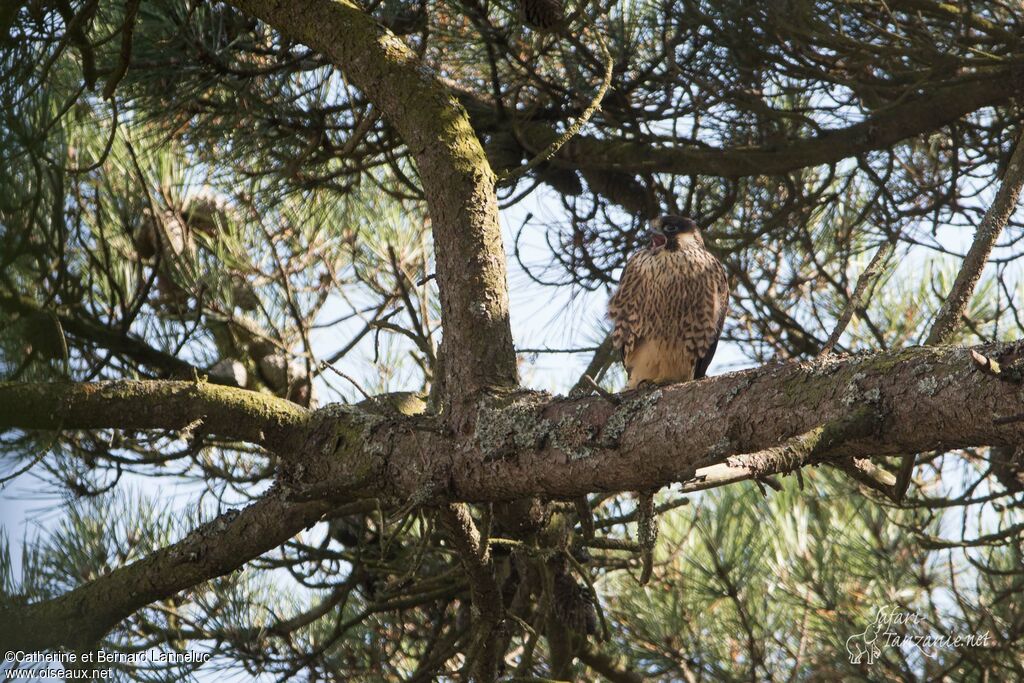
column 187, row 192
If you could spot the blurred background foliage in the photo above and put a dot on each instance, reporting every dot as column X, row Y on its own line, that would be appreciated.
column 184, row 192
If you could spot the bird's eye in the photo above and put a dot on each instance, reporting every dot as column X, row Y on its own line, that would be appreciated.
column 672, row 228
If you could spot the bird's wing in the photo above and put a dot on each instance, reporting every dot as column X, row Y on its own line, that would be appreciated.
column 719, row 290
column 624, row 308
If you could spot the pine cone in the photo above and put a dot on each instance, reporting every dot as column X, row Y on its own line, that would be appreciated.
column 229, row 371
column 622, row 189
column 175, row 233
column 564, row 180
column 204, row 210
column 546, row 16
column 503, row 151
column 145, row 237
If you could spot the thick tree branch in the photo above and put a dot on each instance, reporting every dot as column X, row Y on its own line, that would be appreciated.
column 80, row 618
column 488, row 610
column 922, row 399
column 530, row 444
column 915, row 116
column 951, row 314
column 224, row 411
column 456, row 177
column 827, row 410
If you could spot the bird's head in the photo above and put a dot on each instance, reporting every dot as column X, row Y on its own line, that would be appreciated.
column 673, row 232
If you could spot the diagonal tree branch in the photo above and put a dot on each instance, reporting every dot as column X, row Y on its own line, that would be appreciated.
column 794, row 453
column 457, row 180
column 855, row 303
column 81, row 617
column 915, row 116
column 951, row 314
column 94, row 332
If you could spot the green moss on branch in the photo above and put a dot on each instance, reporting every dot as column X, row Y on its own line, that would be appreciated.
column 225, row 411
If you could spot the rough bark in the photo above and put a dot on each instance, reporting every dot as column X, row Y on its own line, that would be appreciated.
column 457, row 180
column 925, row 399
column 528, row 444
column 531, row 444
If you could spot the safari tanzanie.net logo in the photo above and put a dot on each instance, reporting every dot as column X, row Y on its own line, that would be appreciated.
column 893, row 627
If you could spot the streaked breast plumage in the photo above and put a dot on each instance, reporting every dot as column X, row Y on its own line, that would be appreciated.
column 670, row 307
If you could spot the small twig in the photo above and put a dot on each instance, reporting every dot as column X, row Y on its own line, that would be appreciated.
column 419, row 336
column 803, row 449
column 599, row 363
column 609, row 543
column 582, row 349
column 987, row 365
column 571, row 131
column 631, row 516
column 601, row 391
column 996, row 538
column 324, row 365
column 866, row 280
column 867, row 473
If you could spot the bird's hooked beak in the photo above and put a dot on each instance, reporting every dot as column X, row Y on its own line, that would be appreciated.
column 658, row 238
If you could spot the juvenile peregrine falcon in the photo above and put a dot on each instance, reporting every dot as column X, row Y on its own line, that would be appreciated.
column 670, row 306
